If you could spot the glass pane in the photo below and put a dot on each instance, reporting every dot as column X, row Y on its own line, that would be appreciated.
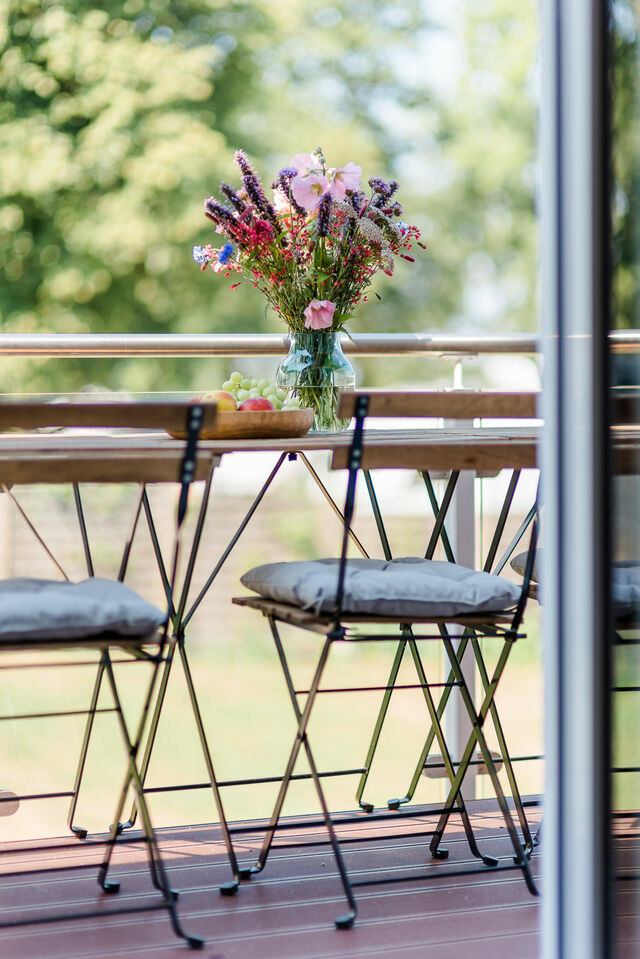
column 625, row 746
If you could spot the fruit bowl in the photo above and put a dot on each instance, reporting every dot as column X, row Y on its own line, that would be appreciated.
column 257, row 424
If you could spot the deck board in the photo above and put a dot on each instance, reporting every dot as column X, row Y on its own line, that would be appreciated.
column 288, row 911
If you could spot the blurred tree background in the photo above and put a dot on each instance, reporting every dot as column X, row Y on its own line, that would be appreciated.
column 626, row 151
column 118, row 120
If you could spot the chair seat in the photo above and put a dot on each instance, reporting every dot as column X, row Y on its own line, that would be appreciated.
column 42, row 609
column 625, row 583
column 407, row 587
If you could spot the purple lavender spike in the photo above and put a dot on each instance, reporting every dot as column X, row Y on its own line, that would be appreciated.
column 252, row 185
column 232, row 197
column 324, row 214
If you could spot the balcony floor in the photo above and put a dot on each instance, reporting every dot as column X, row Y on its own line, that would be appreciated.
column 286, row 913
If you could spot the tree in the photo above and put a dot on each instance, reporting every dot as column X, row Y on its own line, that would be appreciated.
column 118, row 121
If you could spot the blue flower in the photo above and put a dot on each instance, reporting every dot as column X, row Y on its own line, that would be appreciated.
column 225, row 254
column 200, row 255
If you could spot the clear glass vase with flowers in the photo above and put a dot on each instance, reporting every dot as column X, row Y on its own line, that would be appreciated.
column 312, row 249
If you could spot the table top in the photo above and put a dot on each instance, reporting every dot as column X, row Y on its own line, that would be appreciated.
column 142, row 456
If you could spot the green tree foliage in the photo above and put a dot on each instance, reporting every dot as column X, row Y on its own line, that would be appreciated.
column 626, row 149
column 117, row 121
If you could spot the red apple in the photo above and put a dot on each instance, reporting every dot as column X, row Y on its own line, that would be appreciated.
column 256, row 403
column 224, row 400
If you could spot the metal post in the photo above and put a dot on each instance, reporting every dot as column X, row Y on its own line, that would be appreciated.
column 461, row 527
column 576, row 912
column 6, row 536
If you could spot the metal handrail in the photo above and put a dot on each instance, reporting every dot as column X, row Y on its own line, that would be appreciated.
column 274, row 344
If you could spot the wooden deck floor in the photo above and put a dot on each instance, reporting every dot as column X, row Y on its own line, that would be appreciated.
column 287, row 912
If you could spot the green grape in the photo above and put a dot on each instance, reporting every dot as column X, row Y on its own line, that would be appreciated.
column 262, row 385
column 242, row 395
column 228, row 385
column 281, row 394
column 277, row 402
column 292, row 404
column 254, row 391
column 245, row 384
column 269, row 391
column 254, row 382
column 236, row 378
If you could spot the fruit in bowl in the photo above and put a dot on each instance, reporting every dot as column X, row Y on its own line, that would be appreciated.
column 225, row 401
column 243, row 388
column 257, row 403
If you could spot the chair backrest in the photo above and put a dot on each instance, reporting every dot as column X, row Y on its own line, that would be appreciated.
column 116, row 414
column 38, row 460
column 451, row 404
column 396, row 453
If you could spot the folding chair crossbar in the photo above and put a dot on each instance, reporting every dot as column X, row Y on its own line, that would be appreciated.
column 435, row 506
column 254, row 781
column 83, row 530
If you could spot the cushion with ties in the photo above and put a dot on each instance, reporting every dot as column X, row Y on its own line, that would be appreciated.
column 33, row 609
column 408, row 586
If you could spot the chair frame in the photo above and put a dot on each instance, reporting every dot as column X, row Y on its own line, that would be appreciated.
column 156, row 650
column 338, row 627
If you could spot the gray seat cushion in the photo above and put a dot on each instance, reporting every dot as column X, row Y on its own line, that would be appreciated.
column 626, row 588
column 32, row 609
column 625, row 585
column 400, row 587
column 519, row 563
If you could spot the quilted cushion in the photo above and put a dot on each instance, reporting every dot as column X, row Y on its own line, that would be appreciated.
column 409, row 586
column 625, row 586
column 50, row 609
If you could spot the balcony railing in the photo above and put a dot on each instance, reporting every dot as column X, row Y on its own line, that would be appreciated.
column 273, row 344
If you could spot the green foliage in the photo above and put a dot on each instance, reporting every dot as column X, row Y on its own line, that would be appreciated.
column 118, row 121
column 626, row 146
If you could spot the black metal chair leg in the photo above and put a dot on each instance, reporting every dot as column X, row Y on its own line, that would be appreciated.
column 377, row 729
column 156, row 865
column 230, row 887
column 295, row 749
column 436, row 726
column 426, row 749
column 80, row 831
column 302, row 716
column 152, row 732
column 477, row 736
column 504, row 751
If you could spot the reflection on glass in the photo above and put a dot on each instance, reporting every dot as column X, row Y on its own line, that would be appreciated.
column 625, row 747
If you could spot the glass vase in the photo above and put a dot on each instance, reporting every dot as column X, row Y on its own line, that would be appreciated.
column 316, row 371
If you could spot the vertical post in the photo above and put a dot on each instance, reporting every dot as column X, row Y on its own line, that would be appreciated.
column 575, row 319
column 462, row 533
column 6, row 537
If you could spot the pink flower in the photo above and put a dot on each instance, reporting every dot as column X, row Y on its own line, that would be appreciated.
column 319, row 314
column 308, row 190
column 304, row 163
column 345, row 178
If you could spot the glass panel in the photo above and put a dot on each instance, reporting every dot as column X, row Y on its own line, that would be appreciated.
column 625, row 745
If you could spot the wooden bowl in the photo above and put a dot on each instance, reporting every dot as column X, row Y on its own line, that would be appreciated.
column 257, row 424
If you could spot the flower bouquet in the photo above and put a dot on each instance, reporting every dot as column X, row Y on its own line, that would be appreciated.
column 312, row 249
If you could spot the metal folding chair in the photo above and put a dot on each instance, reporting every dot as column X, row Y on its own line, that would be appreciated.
column 335, row 624
column 455, row 406
column 139, row 642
